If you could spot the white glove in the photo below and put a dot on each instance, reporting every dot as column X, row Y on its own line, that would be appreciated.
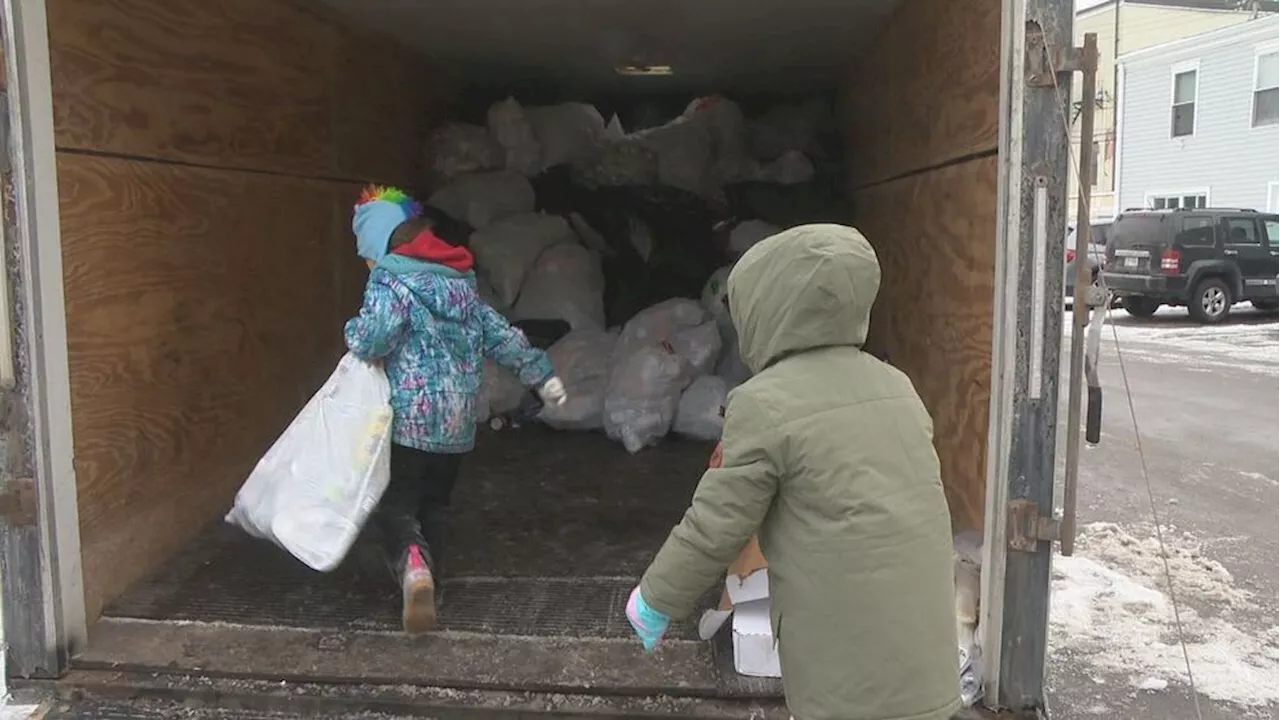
column 552, row 392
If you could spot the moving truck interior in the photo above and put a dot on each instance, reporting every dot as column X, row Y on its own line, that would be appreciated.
column 181, row 255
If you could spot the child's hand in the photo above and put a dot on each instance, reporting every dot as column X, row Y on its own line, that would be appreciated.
column 648, row 624
column 552, row 392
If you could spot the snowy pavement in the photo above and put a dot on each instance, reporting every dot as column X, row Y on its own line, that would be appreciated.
column 1205, row 399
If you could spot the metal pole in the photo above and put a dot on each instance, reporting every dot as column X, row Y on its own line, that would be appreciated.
column 1080, row 308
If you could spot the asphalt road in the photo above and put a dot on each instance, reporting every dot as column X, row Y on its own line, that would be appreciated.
column 1206, row 406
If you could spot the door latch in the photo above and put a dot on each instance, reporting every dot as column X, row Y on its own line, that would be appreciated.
column 1028, row 528
column 18, row 506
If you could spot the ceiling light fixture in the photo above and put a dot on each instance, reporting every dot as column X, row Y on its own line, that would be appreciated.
column 644, row 70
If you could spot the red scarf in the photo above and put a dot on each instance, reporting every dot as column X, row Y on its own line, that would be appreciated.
column 428, row 246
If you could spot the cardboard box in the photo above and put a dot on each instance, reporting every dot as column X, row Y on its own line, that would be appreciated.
column 746, row 598
column 755, row 653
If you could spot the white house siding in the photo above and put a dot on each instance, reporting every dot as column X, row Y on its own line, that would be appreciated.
column 1234, row 161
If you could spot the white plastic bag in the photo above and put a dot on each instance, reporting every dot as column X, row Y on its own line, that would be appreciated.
column 747, row 233
column 481, row 199
column 506, row 250
column 644, row 391
column 656, row 325
column 457, row 148
column 700, row 414
column 510, row 126
column 313, row 490
column 566, row 283
column 568, row 133
column 581, row 360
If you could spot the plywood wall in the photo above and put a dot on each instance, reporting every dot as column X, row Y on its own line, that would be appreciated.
column 208, row 157
column 920, row 114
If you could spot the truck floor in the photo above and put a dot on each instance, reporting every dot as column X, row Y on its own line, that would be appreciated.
column 551, row 532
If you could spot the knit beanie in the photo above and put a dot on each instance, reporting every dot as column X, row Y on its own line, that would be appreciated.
column 378, row 213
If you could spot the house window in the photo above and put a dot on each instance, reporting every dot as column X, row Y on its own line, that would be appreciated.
column 1183, row 116
column 1266, row 89
column 1173, row 201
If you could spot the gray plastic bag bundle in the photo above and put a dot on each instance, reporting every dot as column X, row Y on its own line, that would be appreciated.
column 568, row 133
column 644, row 391
column 506, row 250
column 481, row 199
column 566, row 283
column 747, row 233
column 313, row 490
column 581, row 360
column 510, row 126
column 457, row 148
column 500, row 392
column 700, row 414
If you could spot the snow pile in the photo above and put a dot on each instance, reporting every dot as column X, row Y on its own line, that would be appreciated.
column 1171, row 337
column 1111, row 611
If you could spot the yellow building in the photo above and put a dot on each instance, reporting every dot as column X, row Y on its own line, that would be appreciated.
column 1124, row 26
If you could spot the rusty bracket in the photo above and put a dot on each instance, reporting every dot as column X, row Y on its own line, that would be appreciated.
column 18, row 506
column 1028, row 528
column 1040, row 69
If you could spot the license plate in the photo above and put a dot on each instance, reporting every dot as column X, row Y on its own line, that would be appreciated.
column 1131, row 262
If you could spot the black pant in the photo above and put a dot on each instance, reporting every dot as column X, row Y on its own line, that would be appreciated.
column 415, row 508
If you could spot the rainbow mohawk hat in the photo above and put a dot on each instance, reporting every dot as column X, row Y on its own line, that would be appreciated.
column 378, row 213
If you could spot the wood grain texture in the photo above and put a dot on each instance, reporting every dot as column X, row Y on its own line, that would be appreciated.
column 926, row 93
column 203, row 309
column 256, row 84
column 935, row 234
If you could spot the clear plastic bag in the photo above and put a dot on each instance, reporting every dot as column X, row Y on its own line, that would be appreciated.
column 699, row 346
column 313, row 490
column 567, row 284
column 658, row 324
column 506, row 250
column 481, row 199
column 700, row 414
column 644, row 391
column 581, row 360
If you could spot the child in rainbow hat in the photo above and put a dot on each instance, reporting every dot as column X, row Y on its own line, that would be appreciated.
column 423, row 318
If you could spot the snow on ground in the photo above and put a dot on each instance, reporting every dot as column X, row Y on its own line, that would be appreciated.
column 1248, row 341
column 1111, row 612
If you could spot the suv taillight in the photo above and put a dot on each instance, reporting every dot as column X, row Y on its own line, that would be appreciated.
column 1171, row 262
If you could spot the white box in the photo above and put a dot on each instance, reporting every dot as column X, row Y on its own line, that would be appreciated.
column 755, row 653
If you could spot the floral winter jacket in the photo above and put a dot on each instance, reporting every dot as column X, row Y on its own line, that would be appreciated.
column 432, row 330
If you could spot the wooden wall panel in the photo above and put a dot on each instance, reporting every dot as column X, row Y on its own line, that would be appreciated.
column 255, row 84
column 927, row 92
column 209, row 154
column 935, row 236
column 199, row 321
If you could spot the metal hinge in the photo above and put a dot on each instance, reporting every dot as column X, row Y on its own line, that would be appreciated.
column 18, row 507
column 1028, row 528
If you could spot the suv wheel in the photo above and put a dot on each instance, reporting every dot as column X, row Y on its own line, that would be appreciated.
column 1211, row 301
column 1140, row 307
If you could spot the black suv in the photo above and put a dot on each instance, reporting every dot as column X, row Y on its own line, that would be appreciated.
column 1204, row 258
